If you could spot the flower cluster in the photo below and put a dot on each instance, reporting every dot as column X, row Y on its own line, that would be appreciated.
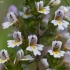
column 33, row 36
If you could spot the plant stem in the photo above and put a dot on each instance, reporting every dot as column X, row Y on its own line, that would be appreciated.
column 44, row 32
column 38, row 32
column 37, row 64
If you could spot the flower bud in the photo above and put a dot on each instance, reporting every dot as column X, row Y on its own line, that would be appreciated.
column 54, row 2
column 20, row 54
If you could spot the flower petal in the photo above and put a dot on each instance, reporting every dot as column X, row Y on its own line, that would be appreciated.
column 65, row 23
column 6, row 25
column 60, row 27
column 54, row 22
column 29, row 57
column 29, row 48
column 36, row 52
column 39, row 46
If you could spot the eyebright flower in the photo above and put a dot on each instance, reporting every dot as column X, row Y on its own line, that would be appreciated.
column 11, row 20
column 58, row 20
column 56, row 52
column 26, row 13
column 17, row 39
column 20, row 56
column 33, row 46
column 54, row 2
column 4, row 56
column 41, row 9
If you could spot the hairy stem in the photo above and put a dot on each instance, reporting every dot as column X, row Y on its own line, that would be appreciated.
column 38, row 35
column 37, row 65
column 38, row 32
column 44, row 32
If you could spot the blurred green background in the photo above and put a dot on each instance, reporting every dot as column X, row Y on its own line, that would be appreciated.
column 4, row 5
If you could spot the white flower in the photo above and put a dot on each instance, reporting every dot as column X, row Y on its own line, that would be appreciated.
column 11, row 20
column 58, row 20
column 4, row 56
column 61, row 24
column 41, row 9
column 54, row 2
column 33, row 46
column 20, row 56
column 17, row 40
column 56, row 52
column 44, row 61
column 26, row 13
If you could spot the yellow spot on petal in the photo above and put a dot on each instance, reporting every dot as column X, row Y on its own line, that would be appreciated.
column 15, row 42
column 1, row 60
column 42, row 10
column 10, row 23
column 58, row 19
column 33, row 46
column 56, row 52
column 24, row 58
column 59, row 22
